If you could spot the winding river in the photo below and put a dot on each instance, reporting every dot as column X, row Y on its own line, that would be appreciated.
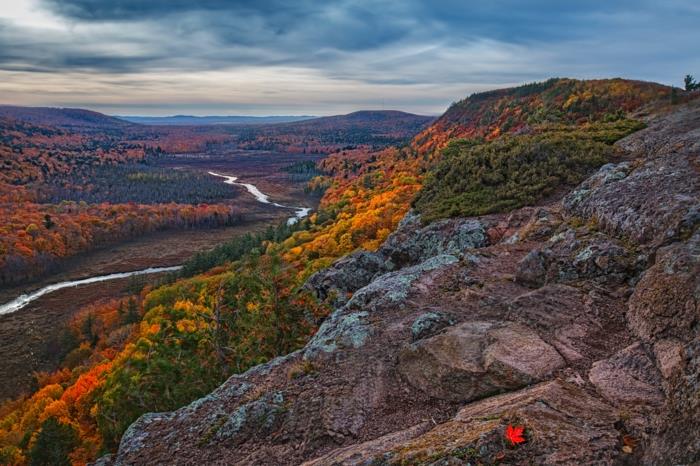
column 301, row 212
column 24, row 299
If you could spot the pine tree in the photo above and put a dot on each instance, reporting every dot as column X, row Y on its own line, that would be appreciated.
column 48, row 222
column 132, row 312
column 88, row 331
column 53, row 444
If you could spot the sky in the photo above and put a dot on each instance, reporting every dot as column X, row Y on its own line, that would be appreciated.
column 307, row 57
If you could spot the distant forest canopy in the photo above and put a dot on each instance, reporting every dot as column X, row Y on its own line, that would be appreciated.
column 134, row 182
column 74, row 179
column 50, row 207
column 368, row 129
column 189, row 120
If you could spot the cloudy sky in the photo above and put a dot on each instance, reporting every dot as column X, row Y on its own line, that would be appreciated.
column 262, row 57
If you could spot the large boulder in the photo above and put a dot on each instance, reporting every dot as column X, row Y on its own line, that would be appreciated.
column 412, row 242
column 348, row 326
column 392, row 288
column 583, row 327
column 345, row 276
column 476, row 359
column 666, row 302
column 628, row 377
column 579, row 254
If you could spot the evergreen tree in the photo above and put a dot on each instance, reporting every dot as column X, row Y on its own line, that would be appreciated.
column 48, row 222
column 53, row 444
column 88, row 331
column 132, row 312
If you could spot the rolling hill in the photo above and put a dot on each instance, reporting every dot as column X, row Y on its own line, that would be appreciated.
column 76, row 119
column 190, row 120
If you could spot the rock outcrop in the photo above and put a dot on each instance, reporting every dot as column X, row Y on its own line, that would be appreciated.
column 476, row 359
column 578, row 320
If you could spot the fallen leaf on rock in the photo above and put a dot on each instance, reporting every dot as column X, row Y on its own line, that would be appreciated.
column 515, row 434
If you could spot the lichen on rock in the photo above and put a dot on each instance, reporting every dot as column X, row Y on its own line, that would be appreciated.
column 428, row 323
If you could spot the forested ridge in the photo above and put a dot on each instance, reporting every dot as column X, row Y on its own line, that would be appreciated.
column 170, row 345
column 370, row 130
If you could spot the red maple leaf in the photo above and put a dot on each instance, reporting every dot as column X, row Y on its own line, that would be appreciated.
column 515, row 434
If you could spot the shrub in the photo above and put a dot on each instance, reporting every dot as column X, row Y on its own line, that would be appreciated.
column 53, row 444
column 476, row 178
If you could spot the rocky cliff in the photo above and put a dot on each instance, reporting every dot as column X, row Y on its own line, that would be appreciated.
column 578, row 319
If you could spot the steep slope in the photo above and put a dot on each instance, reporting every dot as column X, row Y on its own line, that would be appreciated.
column 576, row 319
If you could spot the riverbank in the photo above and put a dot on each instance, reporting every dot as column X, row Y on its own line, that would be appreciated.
column 31, row 335
column 159, row 249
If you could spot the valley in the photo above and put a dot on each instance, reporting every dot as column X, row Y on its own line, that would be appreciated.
column 31, row 332
column 47, row 314
column 255, row 183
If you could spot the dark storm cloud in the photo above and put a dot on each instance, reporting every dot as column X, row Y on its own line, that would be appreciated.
column 378, row 43
column 211, row 34
column 108, row 10
column 344, row 24
column 309, row 24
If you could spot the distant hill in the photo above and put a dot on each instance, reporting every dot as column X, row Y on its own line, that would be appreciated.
column 377, row 118
column 520, row 109
column 373, row 128
column 69, row 118
column 190, row 120
column 359, row 118
column 181, row 133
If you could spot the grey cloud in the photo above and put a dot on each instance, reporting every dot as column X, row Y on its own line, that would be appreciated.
column 218, row 33
column 380, row 43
